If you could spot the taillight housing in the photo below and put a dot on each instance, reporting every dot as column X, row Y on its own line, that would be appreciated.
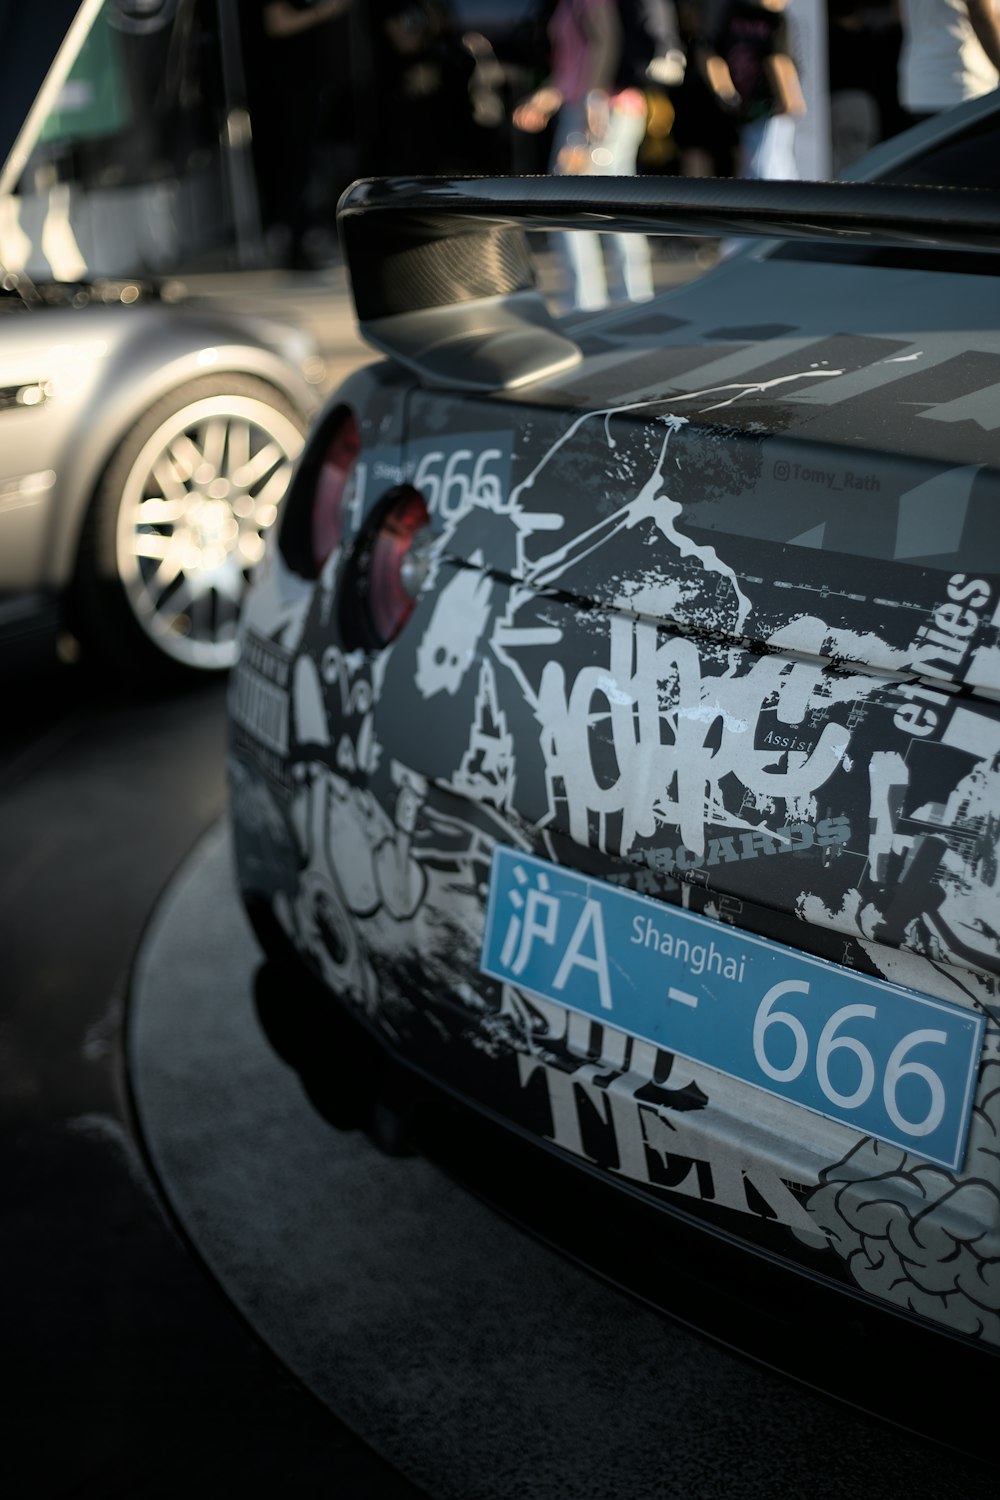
column 385, row 564
column 388, row 569
column 336, row 471
column 314, row 515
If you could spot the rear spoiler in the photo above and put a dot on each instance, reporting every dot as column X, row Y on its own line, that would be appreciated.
column 443, row 280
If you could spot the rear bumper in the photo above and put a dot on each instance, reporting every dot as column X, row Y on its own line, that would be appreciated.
column 747, row 1298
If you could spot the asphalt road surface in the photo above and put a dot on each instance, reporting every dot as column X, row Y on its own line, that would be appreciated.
column 127, row 1372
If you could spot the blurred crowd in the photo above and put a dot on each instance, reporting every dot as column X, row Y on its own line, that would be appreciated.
column 341, row 88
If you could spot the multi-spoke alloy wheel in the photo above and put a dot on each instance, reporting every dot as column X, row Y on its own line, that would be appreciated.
column 182, row 514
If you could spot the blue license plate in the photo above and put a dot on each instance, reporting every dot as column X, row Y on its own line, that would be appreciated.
column 888, row 1061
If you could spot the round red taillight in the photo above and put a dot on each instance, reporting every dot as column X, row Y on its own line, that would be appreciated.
column 332, row 481
column 393, row 565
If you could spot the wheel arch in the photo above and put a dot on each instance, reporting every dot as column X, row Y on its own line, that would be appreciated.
column 140, row 373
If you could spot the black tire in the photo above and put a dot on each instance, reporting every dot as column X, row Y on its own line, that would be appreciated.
column 169, row 541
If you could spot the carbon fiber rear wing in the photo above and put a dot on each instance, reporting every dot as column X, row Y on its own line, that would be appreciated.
column 443, row 280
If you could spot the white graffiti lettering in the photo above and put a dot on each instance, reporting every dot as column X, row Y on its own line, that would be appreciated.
column 589, row 926
column 637, row 1130
column 668, row 762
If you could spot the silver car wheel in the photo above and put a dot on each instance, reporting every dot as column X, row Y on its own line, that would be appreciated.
column 195, row 507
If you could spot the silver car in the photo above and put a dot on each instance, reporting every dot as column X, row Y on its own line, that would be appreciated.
column 146, row 442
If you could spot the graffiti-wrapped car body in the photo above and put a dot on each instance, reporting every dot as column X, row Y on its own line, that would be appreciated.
column 617, row 733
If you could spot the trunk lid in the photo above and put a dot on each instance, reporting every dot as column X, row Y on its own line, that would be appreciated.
column 690, row 630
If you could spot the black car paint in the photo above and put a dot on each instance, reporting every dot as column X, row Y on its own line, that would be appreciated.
column 702, row 628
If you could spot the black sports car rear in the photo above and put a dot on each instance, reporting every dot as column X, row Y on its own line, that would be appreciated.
column 616, row 737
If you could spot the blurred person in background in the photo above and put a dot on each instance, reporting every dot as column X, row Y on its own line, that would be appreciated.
column 652, row 40
column 488, row 102
column 950, row 52
column 299, row 98
column 852, row 72
column 422, row 78
column 706, row 134
column 599, row 127
column 746, row 57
